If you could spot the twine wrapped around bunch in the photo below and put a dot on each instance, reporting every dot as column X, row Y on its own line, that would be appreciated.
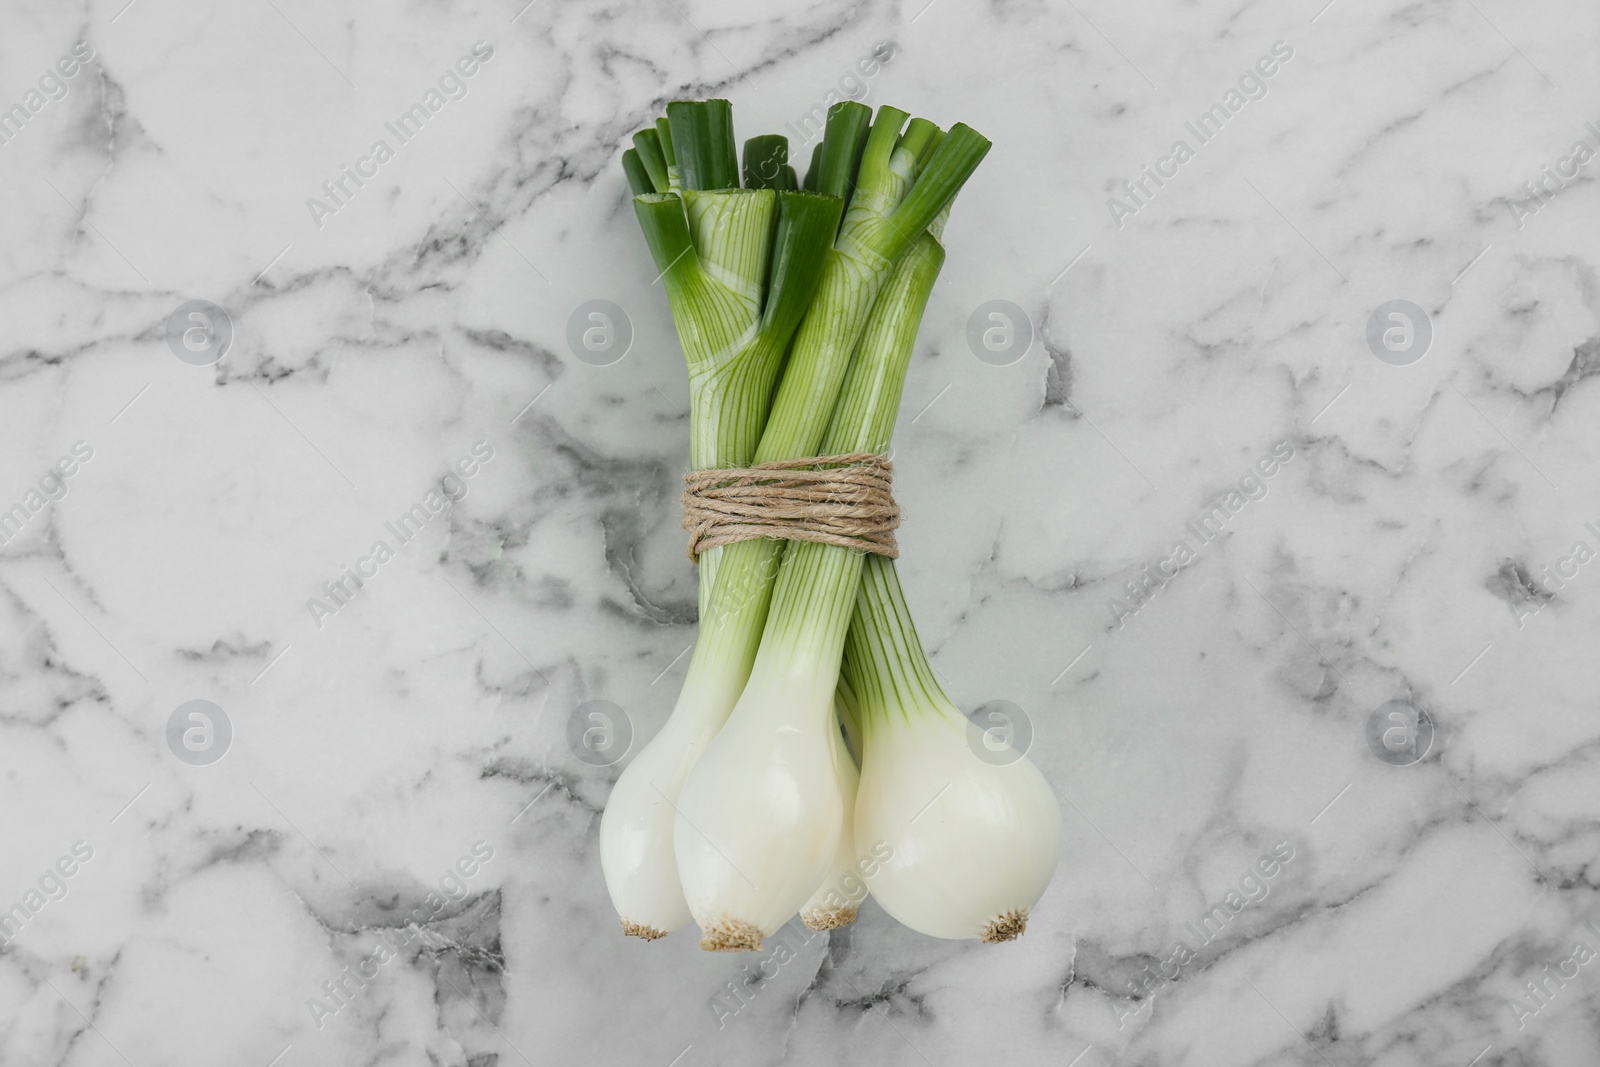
column 842, row 500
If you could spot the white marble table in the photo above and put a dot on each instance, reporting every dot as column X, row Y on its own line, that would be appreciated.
column 1422, row 544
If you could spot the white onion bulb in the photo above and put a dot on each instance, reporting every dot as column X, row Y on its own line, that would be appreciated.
column 833, row 903
column 636, row 853
column 759, row 817
column 974, row 844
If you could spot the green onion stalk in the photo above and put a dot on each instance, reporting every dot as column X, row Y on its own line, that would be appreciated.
column 740, row 268
column 896, row 184
column 761, row 816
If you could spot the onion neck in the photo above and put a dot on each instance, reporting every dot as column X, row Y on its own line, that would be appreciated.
column 884, row 665
column 805, row 633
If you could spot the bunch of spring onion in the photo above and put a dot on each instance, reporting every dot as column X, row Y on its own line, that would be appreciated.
column 748, row 806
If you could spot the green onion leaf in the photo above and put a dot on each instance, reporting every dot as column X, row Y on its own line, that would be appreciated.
column 765, row 159
column 840, row 148
column 666, row 232
column 806, row 226
column 928, row 149
column 919, row 134
column 952, row 163
column 702, row 142
column 648, row 145
column 664, row 134
column 638, row 178
column 874, row 176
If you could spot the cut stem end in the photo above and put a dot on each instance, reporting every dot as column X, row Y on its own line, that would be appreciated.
column 730, row 935
column 1007, row 927
column 828, row 918
column 649, row 933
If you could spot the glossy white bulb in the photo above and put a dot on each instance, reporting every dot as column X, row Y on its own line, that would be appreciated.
column 833, row 903
column 759, row 817
column 973, row 843
column 636, row 854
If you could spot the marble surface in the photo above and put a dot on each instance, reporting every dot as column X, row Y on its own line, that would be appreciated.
column 1416, row 547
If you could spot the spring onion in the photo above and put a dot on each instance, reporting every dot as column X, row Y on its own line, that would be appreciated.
column 975, row 840
column 736, row 302
column 736, row 582
column 748, row 806
column 760, row 815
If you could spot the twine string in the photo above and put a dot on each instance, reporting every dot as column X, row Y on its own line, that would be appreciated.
column 842, row 500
